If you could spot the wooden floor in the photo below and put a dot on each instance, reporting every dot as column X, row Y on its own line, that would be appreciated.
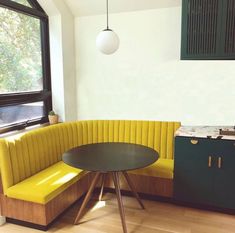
column 157, row 218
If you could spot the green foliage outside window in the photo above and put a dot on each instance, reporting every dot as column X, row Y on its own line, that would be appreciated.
column 20, row 52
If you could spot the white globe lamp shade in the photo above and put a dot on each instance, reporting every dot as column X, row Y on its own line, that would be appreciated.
column 107, row 41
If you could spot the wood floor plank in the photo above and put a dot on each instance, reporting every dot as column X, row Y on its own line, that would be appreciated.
column 159, row 217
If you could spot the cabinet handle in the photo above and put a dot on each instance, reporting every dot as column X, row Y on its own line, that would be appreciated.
column 219, row 162
column 209, row 161
column 194, row 141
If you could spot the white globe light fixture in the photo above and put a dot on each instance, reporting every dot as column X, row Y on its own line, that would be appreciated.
column 107, row 41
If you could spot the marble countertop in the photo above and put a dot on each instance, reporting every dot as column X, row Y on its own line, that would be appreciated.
column 204, row 132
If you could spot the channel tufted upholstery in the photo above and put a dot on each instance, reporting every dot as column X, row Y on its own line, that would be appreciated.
column 26, row 156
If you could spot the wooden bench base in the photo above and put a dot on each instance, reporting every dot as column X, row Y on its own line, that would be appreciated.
column 146, row 185
column 41, row 216
column 44, row 214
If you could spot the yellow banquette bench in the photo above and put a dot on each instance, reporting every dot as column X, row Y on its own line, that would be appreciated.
column 37, row 186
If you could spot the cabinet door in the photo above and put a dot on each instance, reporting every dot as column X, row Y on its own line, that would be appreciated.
column 200, row 29
column 208, row 29
column 227, row 45
column 193, row 177
column 224, row 182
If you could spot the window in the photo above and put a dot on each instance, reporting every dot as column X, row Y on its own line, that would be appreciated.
column 208, row 29
column 23, row 2
column 25, row 85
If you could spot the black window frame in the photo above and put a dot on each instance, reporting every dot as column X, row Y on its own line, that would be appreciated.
column 45, row 95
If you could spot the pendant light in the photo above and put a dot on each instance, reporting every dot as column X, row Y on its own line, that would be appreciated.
column 107, row 41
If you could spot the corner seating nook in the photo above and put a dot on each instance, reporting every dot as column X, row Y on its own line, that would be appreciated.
column 37, row 186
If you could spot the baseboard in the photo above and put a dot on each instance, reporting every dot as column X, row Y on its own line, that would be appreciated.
column 29, row 224
column 204, row 207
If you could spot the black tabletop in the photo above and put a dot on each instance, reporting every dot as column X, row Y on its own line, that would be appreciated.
column 112, row 156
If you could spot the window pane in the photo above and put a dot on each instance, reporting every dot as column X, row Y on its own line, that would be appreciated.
column 20, row 53
column 20, row 113
column 23, row 2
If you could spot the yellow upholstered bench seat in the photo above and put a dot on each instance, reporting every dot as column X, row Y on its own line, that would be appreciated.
column 161, row 168
column 45, row 185
column 32, row 171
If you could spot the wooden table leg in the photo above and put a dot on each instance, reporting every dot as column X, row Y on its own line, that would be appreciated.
column 87, row 197
column 102, row 186
column 133, row 189
column 115, row 176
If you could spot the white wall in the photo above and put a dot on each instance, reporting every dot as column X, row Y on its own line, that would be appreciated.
column 145, row 79
column 62, row 48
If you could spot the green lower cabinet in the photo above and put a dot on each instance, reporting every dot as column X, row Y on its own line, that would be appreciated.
column 190, row 187
column 192, row 178
column 224, row 184
column 204, row 171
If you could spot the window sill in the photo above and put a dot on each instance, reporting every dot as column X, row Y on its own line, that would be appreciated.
column 15, row 132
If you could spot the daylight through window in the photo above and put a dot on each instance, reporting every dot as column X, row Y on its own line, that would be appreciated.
column 25, row 96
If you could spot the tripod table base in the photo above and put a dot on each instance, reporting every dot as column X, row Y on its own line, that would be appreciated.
column 115, row 177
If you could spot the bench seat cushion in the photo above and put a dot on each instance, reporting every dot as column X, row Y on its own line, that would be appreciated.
column 45, row 185
column 162, row 168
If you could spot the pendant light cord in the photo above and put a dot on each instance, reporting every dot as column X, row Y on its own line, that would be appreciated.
column 107, row 5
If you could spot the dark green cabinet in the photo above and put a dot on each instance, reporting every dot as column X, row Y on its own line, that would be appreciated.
column 224, row 188
column 208, row 28
column 204, row 171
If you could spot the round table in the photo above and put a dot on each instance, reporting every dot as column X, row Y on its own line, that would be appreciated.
column 113, row 158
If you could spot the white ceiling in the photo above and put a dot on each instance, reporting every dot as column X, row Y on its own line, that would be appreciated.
column 96, row 7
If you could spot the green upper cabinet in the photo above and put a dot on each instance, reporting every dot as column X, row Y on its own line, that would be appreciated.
column 208, row 30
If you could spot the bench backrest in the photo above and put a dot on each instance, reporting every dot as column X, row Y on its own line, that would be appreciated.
column 25, row 154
